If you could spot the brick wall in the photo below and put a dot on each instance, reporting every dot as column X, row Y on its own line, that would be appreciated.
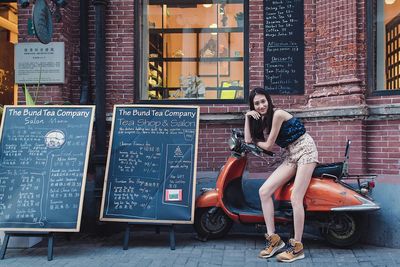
column 383, row 146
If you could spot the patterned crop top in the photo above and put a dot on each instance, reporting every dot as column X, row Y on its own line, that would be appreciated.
column 290, row 131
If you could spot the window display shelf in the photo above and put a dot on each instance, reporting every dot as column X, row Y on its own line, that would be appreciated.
column 196, row 59
column 193, row 2
column 196, row 30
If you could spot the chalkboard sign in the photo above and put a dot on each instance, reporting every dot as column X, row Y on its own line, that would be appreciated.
column 284, row 46
column 151, row 165
column 43, row 162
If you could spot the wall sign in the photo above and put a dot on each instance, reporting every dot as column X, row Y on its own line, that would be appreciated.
column 151, row 166
column 42, row 21
column 284, row 46
column 36, row 60
column 43, row 163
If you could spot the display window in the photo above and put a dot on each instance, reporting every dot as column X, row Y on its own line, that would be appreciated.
column 385, row 48
column 192, row 50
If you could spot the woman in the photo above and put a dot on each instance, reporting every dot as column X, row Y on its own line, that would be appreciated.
column 302, row 156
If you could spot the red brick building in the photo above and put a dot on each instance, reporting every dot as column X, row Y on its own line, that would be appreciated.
column 350, row 79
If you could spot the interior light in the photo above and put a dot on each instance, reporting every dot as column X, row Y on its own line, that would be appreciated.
column 389, row 2
column 213, row 26
column 207, row 5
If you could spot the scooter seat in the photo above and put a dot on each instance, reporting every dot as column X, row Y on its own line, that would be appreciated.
column 334, row 169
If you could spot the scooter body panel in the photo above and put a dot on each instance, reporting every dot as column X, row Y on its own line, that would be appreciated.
column 208, row 199
column 323, row 194
column 233, row 169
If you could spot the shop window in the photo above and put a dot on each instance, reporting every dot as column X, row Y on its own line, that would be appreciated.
column 192, row 50
column 8, row 37
column 385, row 53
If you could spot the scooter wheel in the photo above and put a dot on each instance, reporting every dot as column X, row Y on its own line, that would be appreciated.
column 211, row 223
column 344, row 230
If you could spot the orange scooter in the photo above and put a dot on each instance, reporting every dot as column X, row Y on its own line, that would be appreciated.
column 334, row 201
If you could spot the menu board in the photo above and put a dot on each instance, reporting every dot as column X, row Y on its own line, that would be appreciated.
column 43, row 163
column 151, row 165
column 284, row 46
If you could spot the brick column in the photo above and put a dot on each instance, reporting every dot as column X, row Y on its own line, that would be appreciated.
column 339, row 53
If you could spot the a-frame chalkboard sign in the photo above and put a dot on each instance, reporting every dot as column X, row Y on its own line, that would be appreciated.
column 151, row 166
column 44, row 154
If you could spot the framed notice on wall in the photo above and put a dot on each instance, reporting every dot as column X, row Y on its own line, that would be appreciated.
column 151, row 165
column 44, row 154
column 40, row 63
column 284, row 46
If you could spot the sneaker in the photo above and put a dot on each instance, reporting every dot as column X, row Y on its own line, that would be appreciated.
column 294, row 251
column 273, row 244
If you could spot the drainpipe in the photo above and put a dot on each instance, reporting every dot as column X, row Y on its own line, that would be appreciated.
column 100, row 101
column 85, row 97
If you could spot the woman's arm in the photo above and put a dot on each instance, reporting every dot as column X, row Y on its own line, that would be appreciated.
column 279, row 117
column 247, row 134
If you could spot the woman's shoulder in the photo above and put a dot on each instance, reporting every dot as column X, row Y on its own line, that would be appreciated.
column 282, row 114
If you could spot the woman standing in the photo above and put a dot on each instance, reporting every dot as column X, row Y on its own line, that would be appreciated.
column 302, row 156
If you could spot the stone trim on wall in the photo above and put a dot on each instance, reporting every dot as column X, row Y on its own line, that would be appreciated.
column 373, row 112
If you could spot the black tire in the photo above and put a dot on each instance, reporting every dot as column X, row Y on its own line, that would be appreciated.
column 211, row 223
column 344, row 230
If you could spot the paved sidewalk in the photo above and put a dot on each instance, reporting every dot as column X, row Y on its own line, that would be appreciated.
column 146, row 248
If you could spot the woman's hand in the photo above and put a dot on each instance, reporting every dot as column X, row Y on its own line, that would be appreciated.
column 254, row 114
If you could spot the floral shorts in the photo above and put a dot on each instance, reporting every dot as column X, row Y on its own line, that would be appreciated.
column 301, row 151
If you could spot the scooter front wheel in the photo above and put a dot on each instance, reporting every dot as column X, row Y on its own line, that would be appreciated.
column 211, row 222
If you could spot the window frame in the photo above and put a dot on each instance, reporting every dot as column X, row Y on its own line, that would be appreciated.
column 138, row 71
column 372, row 54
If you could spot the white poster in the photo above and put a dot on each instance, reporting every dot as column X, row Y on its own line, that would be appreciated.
column 34, row 61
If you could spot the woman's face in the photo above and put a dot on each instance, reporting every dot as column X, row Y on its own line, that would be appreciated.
column 260, row 104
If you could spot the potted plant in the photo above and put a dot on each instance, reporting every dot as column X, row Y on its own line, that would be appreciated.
column 239, row 17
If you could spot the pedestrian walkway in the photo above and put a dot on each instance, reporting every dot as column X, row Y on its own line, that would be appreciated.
column 146, row 248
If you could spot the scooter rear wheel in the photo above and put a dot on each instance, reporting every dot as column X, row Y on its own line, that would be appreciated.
column 211, row 223
column 344, row 230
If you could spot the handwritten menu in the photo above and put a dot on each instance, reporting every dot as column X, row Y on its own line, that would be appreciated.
column 150, row 173
column 284, row 46
column 43, row 162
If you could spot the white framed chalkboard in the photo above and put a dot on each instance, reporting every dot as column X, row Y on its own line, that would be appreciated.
column 151, row 165
column 44, row 154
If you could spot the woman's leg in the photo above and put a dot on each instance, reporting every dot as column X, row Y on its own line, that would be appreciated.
column 280, row 176
column 301, row 182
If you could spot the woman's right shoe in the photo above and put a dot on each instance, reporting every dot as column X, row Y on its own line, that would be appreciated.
column 294, row 251
column 273, row 244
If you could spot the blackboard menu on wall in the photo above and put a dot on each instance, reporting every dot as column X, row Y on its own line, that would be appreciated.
column 151, row 165
column 284, row 46
column 43, row 163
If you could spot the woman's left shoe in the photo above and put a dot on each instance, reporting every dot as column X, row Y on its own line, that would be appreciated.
column 294, row 251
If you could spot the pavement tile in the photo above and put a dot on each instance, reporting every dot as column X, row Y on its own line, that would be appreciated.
column 148, row 249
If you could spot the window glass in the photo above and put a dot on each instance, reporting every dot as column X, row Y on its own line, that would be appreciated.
column 387, row 49
column 192, row 50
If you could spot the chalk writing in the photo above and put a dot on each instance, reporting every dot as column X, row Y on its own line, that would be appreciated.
column 284, row 46
column 42, row 166
column 152, row 151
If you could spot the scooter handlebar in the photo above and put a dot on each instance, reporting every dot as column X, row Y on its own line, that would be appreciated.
column 239, row 145
column 257, row 150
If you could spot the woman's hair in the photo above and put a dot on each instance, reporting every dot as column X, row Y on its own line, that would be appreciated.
column 257, row 126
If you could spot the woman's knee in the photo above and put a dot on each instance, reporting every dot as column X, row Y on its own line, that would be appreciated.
column 296, row 200
column 265, row 192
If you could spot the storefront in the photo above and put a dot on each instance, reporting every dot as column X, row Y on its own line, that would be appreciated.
column 341, row 76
